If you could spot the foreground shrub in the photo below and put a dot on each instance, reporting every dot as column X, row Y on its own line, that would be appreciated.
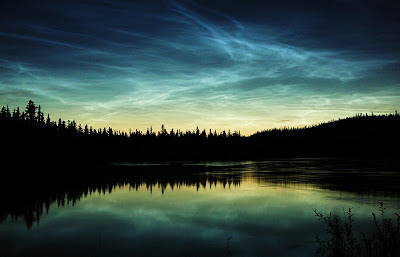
column 341, row 239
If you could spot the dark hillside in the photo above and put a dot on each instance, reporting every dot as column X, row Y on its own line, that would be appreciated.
column 356, row 136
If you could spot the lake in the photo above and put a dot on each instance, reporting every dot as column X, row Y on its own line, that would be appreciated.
column 242, row 208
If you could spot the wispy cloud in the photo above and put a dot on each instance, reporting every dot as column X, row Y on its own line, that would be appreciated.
column 181, row 63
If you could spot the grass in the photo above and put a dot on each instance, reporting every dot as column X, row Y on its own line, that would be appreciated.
column 341, row 240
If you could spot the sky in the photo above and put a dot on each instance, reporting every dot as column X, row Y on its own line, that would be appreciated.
column 238, row 65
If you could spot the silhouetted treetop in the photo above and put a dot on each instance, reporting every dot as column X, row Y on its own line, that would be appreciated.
column 31, row 110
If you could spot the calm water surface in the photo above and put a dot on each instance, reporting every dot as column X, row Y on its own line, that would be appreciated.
column 229, row 209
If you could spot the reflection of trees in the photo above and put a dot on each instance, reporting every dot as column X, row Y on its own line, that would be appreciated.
column 28, row 197
column 31, row 201
column 362, row 177
column 177, row 183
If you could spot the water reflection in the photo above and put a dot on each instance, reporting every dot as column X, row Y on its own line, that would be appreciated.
column 208, row 209
column 29, row 204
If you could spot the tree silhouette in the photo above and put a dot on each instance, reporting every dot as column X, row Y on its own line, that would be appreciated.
column 48, row 120
column 31, row 110
column 40, row 116
column 17, row 114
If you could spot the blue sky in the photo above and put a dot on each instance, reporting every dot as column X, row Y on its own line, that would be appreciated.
column 214, row 64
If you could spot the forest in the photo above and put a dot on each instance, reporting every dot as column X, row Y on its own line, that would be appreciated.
column 36, row 135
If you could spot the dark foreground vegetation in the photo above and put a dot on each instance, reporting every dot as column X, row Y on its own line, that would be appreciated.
column 29, row 136
column 343, row 241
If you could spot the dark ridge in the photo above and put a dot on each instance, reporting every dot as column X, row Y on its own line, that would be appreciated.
column 363, row 136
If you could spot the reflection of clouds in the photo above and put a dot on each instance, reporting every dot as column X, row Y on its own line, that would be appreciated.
column 199, row 66
column 261, row 220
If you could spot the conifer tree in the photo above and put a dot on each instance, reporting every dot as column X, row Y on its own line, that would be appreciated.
column 17, row 114
column 40, row 116
column 3, row 112
column 31, row 110
column 8, row 113
column 48, row 120
column 86, row 131
column 80, row 130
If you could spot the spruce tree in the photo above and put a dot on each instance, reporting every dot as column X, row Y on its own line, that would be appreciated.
column 31, row 110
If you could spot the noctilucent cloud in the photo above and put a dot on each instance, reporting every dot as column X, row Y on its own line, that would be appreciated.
column 238, row 65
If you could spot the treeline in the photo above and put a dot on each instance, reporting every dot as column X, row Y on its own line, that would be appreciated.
column 360, row 135
column 34, row 117
column 30, row 126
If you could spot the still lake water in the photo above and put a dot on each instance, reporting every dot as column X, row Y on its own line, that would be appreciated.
column 251, row 208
